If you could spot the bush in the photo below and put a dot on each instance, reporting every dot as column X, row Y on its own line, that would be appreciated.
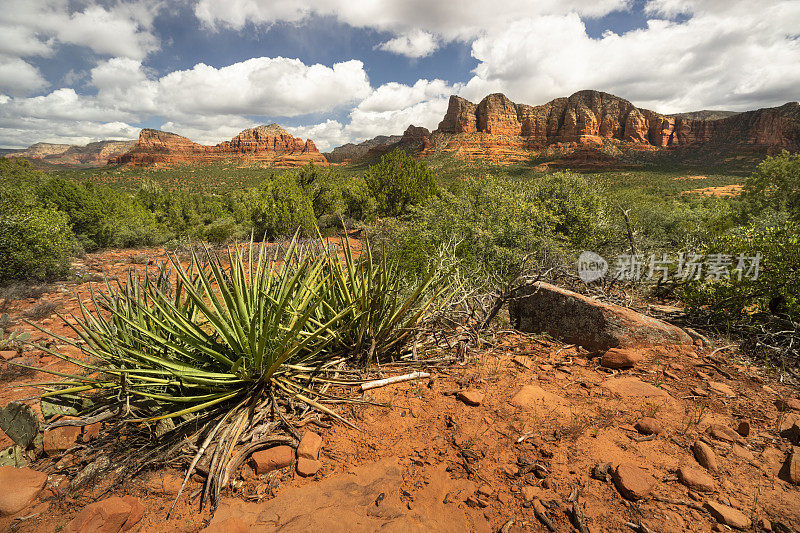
column 397, row 182
column 776, row 291
column 775, row 184
column 35, row 244
column 495, row 223
column 279, row 206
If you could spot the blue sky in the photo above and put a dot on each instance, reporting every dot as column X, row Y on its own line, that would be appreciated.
column 76, row 71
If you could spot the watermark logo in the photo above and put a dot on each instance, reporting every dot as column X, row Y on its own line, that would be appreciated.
column 662, row 267
column 591, row 266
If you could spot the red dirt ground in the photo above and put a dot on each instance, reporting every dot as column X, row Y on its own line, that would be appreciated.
column 423, row 460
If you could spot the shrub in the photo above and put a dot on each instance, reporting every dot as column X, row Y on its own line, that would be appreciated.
column 279, row 206
column 775, row 184
column 35, row 244
column 399, row 181
column 776, row 291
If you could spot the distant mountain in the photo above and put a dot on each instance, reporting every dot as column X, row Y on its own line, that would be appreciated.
column 351, row 152
column 94, row 154
column 271, row 144
column 705, row 115
column 6, row 151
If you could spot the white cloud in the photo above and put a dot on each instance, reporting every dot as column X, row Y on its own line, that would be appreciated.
column 35, row 28
column 418, row 24
column 736, row 58
column 416, row 43
column 19, row 77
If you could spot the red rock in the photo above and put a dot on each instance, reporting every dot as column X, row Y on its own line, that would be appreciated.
column 470, row 397
column 307, row 467
column 105, row 516
column 727, row 515
column 723, row 433
column 620, row 358
column 265, row 143
column 59, row 439
column 633, row 482
column 787, row 404
column 137, row 512
column 595, row 325
column 705, row 455
column 309, row 445
column 648, row 426
column 743, row 428
column 790, row 471
column 589, row 118
column 164, row 482
column 90, row 432
column 721, row 388
column 7, row 355
column 264, row 461
column 18, row 488
column 696, row 479
column 231, row 524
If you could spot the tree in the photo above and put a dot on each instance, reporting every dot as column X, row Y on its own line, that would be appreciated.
column 775, row 184
column 399, row 181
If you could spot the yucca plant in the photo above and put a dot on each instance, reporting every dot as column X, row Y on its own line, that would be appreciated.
column 202, row 356
column 380, row 305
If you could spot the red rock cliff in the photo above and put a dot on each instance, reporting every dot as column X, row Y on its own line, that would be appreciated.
column 589, row 117
column 270, row 144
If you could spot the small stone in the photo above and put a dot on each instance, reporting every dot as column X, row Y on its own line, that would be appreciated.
column 727, row 515
column 530, row 493
column 695, row 479
column 620, row 358
column 309, row 446
column 7, row 355
column 721, row 388
column 485, row 490
column 264, row 461
column 474, row 501
column 697, row 391
column 164, row 482
column 524, row 362
column 787, row 404
column 676, row 366
column 470, row 397
column 105, row 516
column 26, row 483
column 723, row 433
column 743, row 428
column 633, row 482
column 60, row 439
column 791, row 467
column 765, row 524
column 511, row 470
column 648, row 426
column 137, row 512
column 307, row 467
column 705, row 455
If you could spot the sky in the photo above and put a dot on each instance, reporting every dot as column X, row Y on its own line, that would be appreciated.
column 338, row 71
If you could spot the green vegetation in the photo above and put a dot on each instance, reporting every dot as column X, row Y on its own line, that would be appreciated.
column 229, row 337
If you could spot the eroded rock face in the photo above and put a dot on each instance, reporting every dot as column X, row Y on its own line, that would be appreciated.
column 91, row 155
column 269, row 143
column 595, row 325
column 589, row 117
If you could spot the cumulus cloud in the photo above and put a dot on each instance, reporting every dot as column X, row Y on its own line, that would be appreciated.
column 736, row 58
column 18, row 77
column 418, row 24
column 416, row 43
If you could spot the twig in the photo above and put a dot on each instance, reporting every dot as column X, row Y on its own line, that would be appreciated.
column 392, row 380
column 720, row 349
column 639, row 527
column 506, row 526
column 538, row 511
column 577, row 511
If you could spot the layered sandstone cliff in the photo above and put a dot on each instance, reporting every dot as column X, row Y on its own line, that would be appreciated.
column 499, row 126
column 271, row 144
column 351, row 151
column 94, row 154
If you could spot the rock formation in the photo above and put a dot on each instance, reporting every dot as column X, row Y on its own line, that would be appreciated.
column 271, row 144
column 497, row 126
column 351, row 152
column 94, row 154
